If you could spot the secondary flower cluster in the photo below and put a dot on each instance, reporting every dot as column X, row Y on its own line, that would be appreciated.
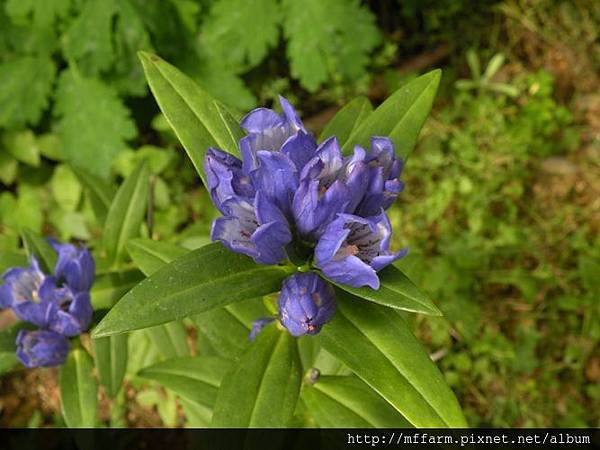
column 289, row 197
column 59, row 304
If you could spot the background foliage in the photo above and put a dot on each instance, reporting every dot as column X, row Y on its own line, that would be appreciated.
column 501, row 208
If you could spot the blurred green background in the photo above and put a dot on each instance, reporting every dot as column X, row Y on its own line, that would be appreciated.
column 502, row 205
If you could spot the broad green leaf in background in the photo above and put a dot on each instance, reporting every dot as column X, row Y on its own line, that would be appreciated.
column 40, row 248
column 347, row 402
column 44, row 13
column 400, row 117
column 262, row 390
column 378, row 346
column 126, row 213
column 88, row 40
column 199, row 281
column 23, row 146
column 94, row 124
column 322, row 40
column 78, row 390
column 10, row 259
column 149, row 255
column 194, row 379
column 100, row 192
column 9, row 167
column 110, row 354
column 241, row 32
column 66, row 188
column 347, row 119
column 170, row 339
column 192, row 113
column 26, row 86
column 396, row 291
column 109, row 287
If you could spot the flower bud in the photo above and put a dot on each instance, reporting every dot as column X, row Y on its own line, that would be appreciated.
column 306, row 303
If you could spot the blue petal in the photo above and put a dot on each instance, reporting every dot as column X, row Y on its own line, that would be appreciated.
column 351, row 271
column 260, row 120
column 41, row 348
column 258, row 325
column 300, row 148
column 270, row 240
column 276, row 177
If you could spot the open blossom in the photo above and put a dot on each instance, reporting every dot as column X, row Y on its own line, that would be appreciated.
column 306, row 303
column 352, row 249
column 329, row 184
column 225, row 178
column 256, row 229
column 58, row 303
column 41, row 348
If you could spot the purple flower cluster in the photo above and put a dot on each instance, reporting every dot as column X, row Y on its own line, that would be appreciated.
column 292, row 198
column 59, row 304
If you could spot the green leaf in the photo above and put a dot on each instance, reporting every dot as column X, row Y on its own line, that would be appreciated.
column 378, row 347
column 401, row 116
column 395, row 291
column 126, row 213
column 347, row 402
column 10, row 259
column 198, row 281
column 101, row 193
column 26, row 85
column 110, row 354
column 66, row 188
column 88, row 40
column 322, row 40
column 170, row 339
column 78, row 390
column 9, row 167
column 241, row 32
column 227, row 329
column 347, row 119
column 195, row 379
column 149, row 255
column 81, row 102
column 22, row 146
column 194, row 115
column 109, row 287
column 40, row 248
column 262, row 390
column 44, row 13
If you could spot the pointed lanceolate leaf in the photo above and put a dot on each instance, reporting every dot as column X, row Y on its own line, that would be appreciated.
column 195, row 379
column 101, row 192
column 40, row 248
column 110, row 355
column 347, row 402
column 170, row 339
column 199, row 121
column 78, row 390
column 262, row 390
column 396, row 291
column 126, row 213
column 199, row 281
column 378, row 346
column 347, row 119
column 401, row 116
column 228, row 329
column 149, row 255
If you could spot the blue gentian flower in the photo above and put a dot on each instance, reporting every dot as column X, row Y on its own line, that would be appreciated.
column 352, row 249
column 58, row 303
column 270, row 131
column 384, row 185
column 258, row 325
column 41, row 348
column 329, row 184
column 257, row 229
column 25, row 290
column 225, row 178
column 75, row 266
column 306, row 303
